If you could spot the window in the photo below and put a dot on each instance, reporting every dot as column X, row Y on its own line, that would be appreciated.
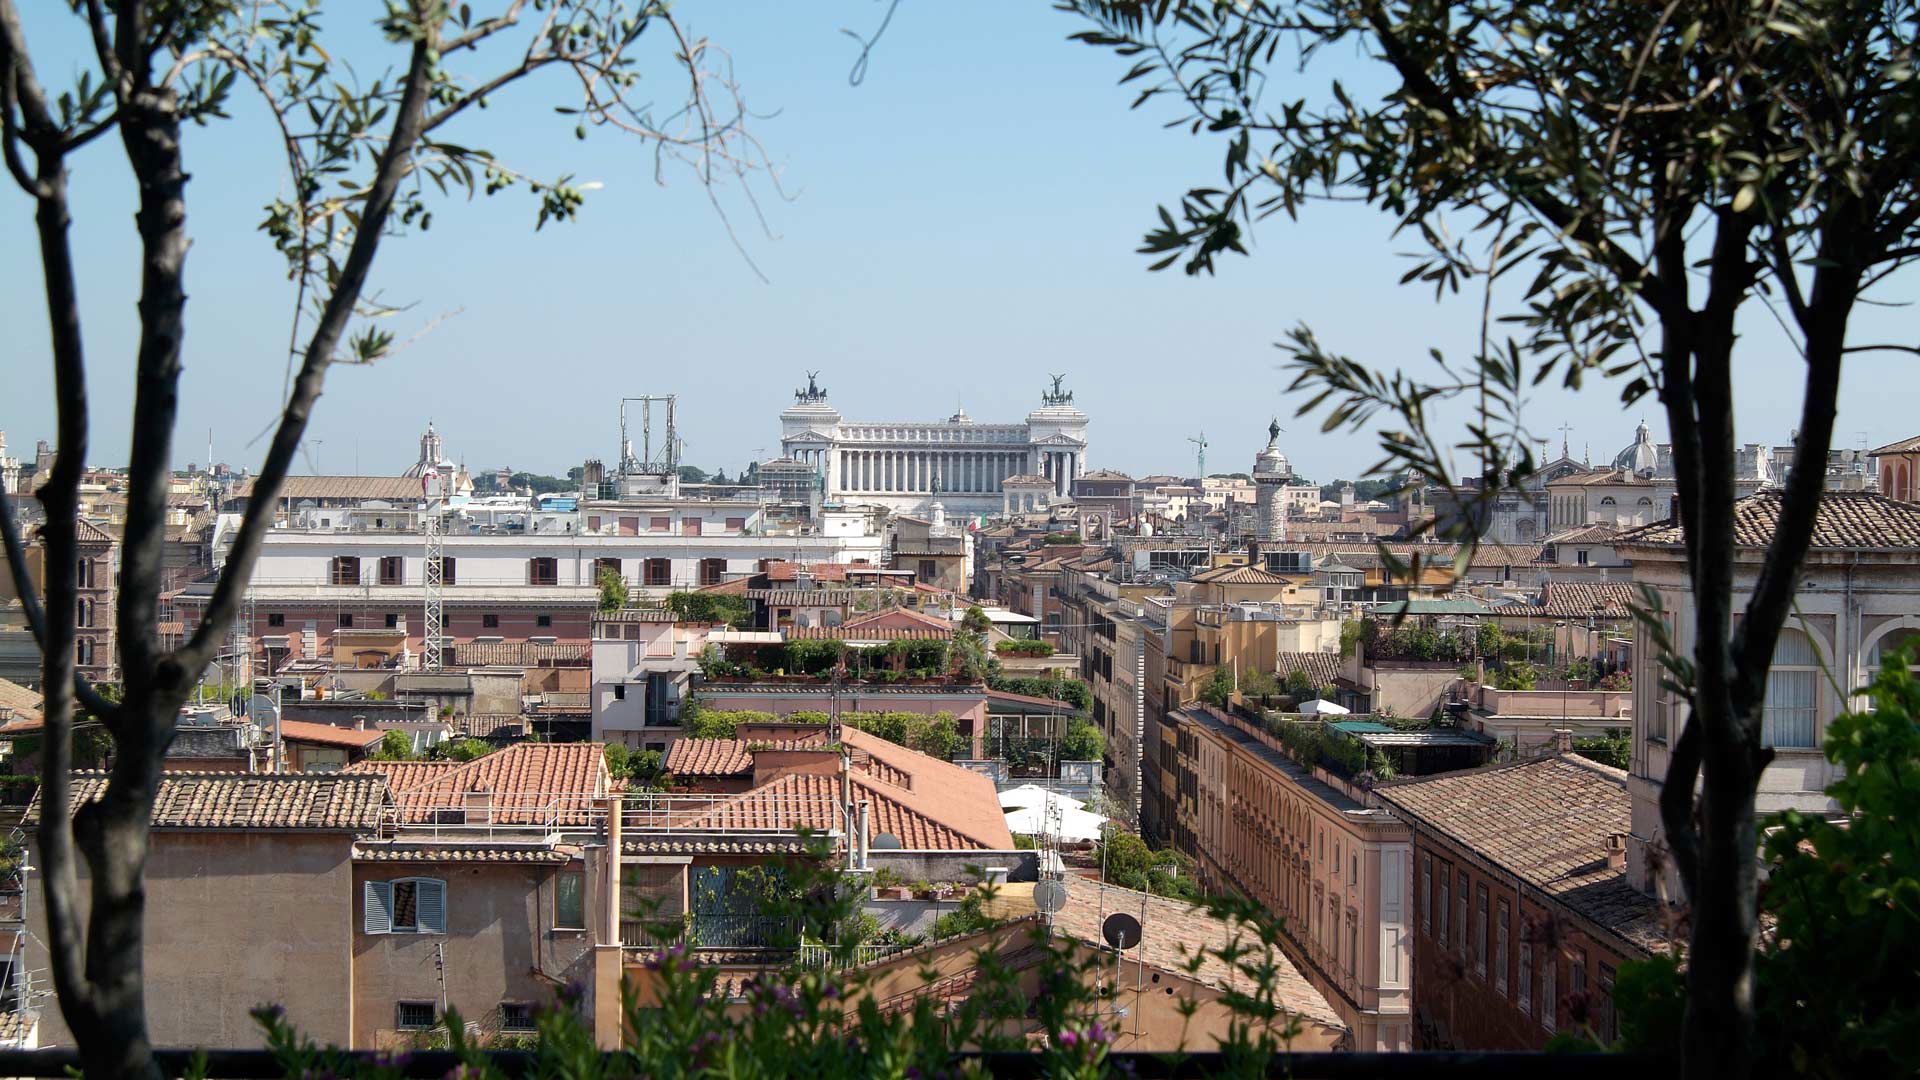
column 393, row 620
column 393, row 570
column 713, row 571
column 343, row 570
column 84, row 573
column 275, row 618
column 406, row 906
column 516, row 1016
column 83, row 612
column 736, row 524
column 1791, row 685
column 1480, row 930
column 660, row 524
column 570, row 900
column 1606, row 1022
column 659, row 571
column 346, row 618
column 689, row 526
column 1526, row 977
column 446, row 570
column 490, row 622
column 544, row 570
column 928, row 570
column 1549, row 997
column 414, row 1016
column 1500, row 930
column 1353, row 941
column 543, row 620
column 1426, row 894
column 1444, row 904
column 1580, row 557
column 1460, row 928
column 619, row 691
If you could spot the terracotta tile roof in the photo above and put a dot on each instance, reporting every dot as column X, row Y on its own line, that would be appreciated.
column 1904, row 446
column 1585, row 534
column 530, row 783
column 17, row 703
column 1602, row 476
column 1576, row 599
column 787, row 571
column 896, row 615
column 1546, row 821
column 726, row 757
column 635, row 615
column 328, row 734
column 394, row 488
column 805, row 597
column 89, row 533
column 1175, row 933
column 711, row 845
column 1239, row 575
column 931, row 805
column 16, row 1026
column 455, row 852
column 481, row 725
column 1846, row 520
column 519, row 654
column 1025, row 479
column 1321, row 667
column 326, row 802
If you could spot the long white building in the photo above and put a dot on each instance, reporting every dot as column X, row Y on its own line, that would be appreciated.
column 907, row 466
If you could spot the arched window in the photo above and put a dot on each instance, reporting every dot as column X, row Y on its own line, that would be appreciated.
column 1792, row 686
column 1607, row 503
column 1646, row 501
column 1905, row 637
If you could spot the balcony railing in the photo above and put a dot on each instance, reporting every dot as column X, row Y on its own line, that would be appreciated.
column 528, row 816
column 711, row 932
column 751, row 814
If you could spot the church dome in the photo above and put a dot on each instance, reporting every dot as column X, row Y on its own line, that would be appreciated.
column 1641, row 457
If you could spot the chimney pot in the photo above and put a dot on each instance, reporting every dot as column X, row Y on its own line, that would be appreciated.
column 359, row 723
column 1563, row 740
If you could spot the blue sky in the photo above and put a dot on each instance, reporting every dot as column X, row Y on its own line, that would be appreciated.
column 958, row 226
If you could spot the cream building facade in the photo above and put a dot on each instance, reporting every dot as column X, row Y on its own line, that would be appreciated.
column 1858, row 598
column 906, row 466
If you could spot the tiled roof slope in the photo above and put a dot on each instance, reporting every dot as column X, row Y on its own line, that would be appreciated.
column 1846, row 520
column 531, row 783
column 727, row 757
column 329, row 735
column 1904, row 446
column 1321, row 667
column 1576, row 599
column 1176, row 933
column 1240, row 575
column 1546, row 821
column 931, row 805
column 22, row 703
column 322, row 802
column 399, row 488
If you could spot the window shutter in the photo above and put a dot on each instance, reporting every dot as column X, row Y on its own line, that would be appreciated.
column 433, row 906
column 379, row 908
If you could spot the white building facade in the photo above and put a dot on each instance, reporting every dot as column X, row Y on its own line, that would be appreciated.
column 907, row 465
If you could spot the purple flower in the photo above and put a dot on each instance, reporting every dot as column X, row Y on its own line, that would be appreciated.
column 1068, row 1039
column 1098, row 1034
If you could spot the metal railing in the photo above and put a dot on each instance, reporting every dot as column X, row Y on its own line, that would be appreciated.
column 527, row 816
column 754, row 814
column 711, row 932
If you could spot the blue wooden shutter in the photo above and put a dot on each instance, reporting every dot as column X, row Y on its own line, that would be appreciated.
column 379, row 908
column 432, row 909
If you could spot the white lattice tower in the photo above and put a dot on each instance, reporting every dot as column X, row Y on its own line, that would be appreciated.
column 433, row 580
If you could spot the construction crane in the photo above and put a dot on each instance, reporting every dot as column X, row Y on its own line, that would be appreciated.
column 433, row 644
column 1200, row 453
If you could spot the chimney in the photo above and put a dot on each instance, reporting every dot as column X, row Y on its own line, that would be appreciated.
column 1563, row 740
column 1616, row 851
column 478, row 805
column 359, row 723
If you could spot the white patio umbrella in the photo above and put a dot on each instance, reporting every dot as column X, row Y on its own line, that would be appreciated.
column 1035, row 795
column 1064, row 822
column 1323, row 707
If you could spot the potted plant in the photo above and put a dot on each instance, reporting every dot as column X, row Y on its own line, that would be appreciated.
column 922, row 889
column 887, row 886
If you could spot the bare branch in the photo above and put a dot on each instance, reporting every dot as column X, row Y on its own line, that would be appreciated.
column 395, row 160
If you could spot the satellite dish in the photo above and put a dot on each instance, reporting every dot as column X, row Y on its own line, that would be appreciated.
column 885, row 841
column 1121, row 930
column 1050, row 896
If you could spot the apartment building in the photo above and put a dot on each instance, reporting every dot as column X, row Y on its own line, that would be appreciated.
column 1525, row 914
column 1298, row 841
